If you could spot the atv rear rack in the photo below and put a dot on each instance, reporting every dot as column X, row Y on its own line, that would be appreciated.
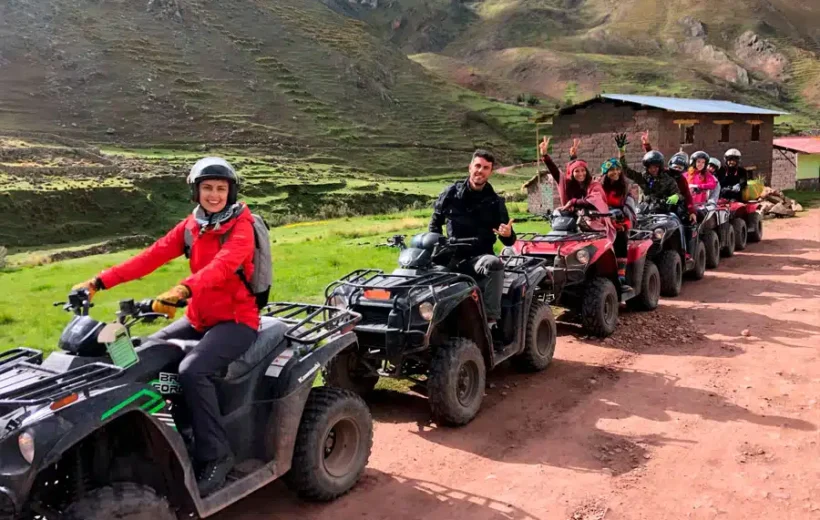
column 311, row 323
column 25, row 383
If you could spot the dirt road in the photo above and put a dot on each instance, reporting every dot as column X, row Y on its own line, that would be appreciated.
column 681, row 415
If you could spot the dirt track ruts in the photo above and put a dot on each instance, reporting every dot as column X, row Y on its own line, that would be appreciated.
column 712, row 424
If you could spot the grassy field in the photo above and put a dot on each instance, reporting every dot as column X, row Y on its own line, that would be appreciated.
column 307, row 256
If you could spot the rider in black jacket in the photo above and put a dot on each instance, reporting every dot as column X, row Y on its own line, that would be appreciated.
column 472, row 209
column 732, row 176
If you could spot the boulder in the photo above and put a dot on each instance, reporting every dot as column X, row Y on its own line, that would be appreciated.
column 781, row 209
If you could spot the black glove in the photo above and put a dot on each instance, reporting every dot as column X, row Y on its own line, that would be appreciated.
column 621, row 141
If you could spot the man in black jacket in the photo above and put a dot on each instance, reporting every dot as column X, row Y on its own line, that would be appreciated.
column 732, row 176
column 472, row 209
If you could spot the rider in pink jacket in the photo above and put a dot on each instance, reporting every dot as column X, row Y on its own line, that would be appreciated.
column 699, row 176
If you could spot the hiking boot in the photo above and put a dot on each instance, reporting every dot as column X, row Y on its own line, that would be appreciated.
column 212, row 475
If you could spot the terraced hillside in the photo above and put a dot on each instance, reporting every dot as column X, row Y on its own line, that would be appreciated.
column 755, row 51
column 289, row 75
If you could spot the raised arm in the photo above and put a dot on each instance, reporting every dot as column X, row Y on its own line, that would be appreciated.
column 543, row 147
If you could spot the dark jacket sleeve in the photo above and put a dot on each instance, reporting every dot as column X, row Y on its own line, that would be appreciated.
column 683, row 187
column 505, row 217
column 633, row 175
column 437, row 218
column 743, row 177
column 553, row 169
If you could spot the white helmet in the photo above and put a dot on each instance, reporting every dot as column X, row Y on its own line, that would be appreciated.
column 732, row 154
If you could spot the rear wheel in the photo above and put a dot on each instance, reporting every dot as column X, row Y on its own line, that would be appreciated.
column 755, row 227
column 700, row 261
column 456, row 384
column 647, row 300
column 741, row 234
column 539, row 343
column 346, row 371
column 670, row 268
column 599, row 309
column 333, row 444
column 712, row 244
column 728, row 250
column 124, row 500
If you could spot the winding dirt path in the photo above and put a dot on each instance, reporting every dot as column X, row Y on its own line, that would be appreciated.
column 706, row 423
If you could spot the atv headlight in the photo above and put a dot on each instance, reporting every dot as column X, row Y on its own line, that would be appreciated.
column 426, row 310
column 339, row 301
column 658, row 233
column 582, row 256
column 507, row 251
column 26, row 444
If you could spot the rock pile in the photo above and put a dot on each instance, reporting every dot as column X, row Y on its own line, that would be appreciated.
column 775, row 204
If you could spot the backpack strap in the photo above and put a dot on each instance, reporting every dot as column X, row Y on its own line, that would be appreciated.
column 188, row 243
column 239, row 272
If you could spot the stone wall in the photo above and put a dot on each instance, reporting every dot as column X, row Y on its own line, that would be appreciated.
column 784, row 170
column 538, row 196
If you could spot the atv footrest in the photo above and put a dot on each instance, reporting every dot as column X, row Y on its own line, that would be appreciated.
column 29, row 384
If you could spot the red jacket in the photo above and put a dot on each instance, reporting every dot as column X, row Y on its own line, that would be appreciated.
column 217, row 293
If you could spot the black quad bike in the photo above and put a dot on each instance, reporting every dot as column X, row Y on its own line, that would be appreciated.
column 426, row 322
column 716, row 231
column 101, row 431
column 676, row 248
column 583, row 269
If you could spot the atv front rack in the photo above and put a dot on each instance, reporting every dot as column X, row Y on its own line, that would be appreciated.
column 311, row 323
column 24, row 383
column 575, row 237
column 364, row 279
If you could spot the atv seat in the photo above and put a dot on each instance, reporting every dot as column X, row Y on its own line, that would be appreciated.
column 271, row 337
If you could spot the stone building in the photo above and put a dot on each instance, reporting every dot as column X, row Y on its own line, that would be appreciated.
column 673, row 123
column 796, row 163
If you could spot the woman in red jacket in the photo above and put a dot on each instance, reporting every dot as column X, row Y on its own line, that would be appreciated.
column 577, row 188
column 221, row 314
column 617, row 188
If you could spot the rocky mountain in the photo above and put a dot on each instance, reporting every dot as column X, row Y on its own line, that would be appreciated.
column 756, row 51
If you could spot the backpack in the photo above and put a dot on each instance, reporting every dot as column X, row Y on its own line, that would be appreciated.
column 260, row 283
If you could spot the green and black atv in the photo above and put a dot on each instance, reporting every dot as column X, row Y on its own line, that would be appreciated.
column 99, row 430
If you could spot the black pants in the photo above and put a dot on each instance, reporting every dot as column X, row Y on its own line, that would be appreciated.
column 489, row 273
column 217, row 348
column 621, row 243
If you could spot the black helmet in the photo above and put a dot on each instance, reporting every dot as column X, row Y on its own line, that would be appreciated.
column 653, row 157
column 698, row 155
column 213, row 168
column 678, row 162
column 732, row 154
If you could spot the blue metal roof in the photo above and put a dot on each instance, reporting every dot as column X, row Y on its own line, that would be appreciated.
column 692, row 105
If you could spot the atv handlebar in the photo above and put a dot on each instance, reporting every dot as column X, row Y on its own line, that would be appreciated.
column 79, row 303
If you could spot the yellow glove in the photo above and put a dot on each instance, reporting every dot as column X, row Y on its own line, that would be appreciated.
column 92, row 286
column 166, row 302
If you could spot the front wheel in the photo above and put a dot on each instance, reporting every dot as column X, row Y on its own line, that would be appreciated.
column 647, row 300
column 455, row 388
column 539, row 344
column 124, row 500
column 728, row 250
column 670, row 267
column 741, row 234
column 712, row 244
column 346, row 371
column 700, row 261
column 599, row 309
column 755, row 227
column 332, row 446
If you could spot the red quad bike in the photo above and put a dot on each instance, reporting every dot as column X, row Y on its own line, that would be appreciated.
column 583, row 270
column 746, row 219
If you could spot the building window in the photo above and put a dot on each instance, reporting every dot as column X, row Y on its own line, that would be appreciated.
column 755, row 132
column 687, row 134
column 724, row 133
